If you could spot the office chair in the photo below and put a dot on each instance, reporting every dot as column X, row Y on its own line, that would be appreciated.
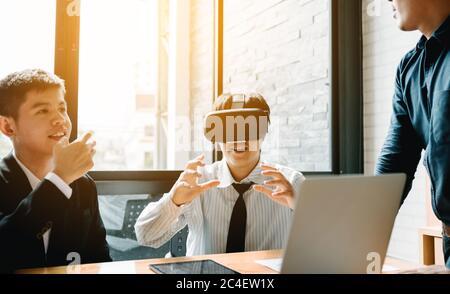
column 133, row 209
column 178, row 243
column 127, row 184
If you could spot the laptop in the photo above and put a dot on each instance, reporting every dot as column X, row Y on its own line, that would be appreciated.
column 343, row 224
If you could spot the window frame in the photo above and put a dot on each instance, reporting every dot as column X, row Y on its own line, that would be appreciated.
column 347, row 87
column 67, row 49
column 345, row 79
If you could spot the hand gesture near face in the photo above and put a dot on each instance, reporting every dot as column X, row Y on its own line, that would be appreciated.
column 73, row 160
column 283, row 192
column 187, row 187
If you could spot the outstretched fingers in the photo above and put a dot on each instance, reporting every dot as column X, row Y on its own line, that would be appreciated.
column 209, row 185
column 196, row 162
column 263, row 189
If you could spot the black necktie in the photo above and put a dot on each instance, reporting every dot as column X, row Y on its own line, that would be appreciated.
column 238, row 222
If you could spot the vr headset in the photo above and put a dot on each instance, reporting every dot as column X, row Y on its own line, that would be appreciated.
column 236, row 124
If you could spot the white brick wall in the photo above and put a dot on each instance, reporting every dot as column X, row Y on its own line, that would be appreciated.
column 280, row 48
column 384, row 45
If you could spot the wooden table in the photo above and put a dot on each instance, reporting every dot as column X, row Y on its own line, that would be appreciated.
column 241, row 262
column 431, row 251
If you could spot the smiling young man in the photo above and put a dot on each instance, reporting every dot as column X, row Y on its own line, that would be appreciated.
column 216, row 202
column 421, row 105
column 48, row 206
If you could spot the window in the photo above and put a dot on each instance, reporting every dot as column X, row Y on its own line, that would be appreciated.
column 149, row 70
column 27, row 29
column 5, row 146
column 118, row 81
column 148, row 159
column 149, row 132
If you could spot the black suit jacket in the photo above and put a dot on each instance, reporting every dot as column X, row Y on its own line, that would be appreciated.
column 25, row 215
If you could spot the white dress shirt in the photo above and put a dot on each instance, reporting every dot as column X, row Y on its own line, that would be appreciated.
column 34, row 182
column 208, row 216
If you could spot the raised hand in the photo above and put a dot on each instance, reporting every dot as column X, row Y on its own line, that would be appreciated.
column 283, row 192
column 73, row 160
column 187, row 187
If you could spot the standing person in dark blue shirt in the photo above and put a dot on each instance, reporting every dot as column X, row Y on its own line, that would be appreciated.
column 421, row 105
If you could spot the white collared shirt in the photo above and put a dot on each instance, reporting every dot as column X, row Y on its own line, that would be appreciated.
column 34, row 182
column 208, row 216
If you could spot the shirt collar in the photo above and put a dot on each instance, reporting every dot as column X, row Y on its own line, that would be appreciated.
column 32, row 179
column 226, row 178
column 421, row 44
column 442, row 34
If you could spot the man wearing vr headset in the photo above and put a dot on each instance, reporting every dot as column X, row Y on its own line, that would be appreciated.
column 236, row 204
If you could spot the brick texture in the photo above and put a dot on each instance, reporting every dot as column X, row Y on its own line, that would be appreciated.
column 279, row 48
